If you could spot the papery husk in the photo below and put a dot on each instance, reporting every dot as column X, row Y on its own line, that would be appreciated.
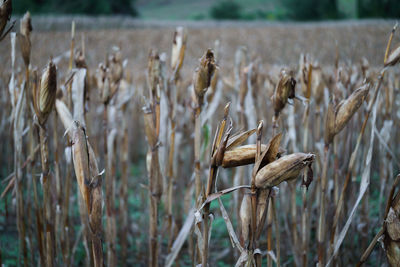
column 178, row 48
column 337, row 118
column 153, row 73
column 47, row 92
column 106, row 92
column 393, row 58
column 393, row 253
column 25, row 39
column 80, row 156
column 64, row 114
column 393, row 225
column 5, row 14
column 261, row 204
column 239, row 156
column 346, row 109
column 203, row 76
column 116, row 68
column 80, row 61
column 103, row 83
column 317, row 85
column 243, row 86
column 284, row 90
column 150, row 128
column 89, row 182
column 283, row 169
column 245, row 217
column 329, row 132
column 213, row 86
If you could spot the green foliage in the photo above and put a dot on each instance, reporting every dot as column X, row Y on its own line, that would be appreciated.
column 90, row 7
column 378, row 8
column 311, row 10
column 225, row 9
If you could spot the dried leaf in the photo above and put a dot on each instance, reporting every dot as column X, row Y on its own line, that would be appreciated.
column 239, row 138
column 219, row 194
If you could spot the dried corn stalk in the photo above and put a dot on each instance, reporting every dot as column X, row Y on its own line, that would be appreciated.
column 5, row 14
column 89, row 182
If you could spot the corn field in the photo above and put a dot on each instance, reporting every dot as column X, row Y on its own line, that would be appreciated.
column 190, row 160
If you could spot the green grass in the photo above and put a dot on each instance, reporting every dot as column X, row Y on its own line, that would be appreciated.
column 192, row 9
column 199, row 10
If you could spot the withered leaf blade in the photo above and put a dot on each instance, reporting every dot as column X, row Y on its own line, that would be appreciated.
column 219, row 194
column 393, row 58
column 222, row 147
column 239, row 138
column 64, row 114
column 273, row 148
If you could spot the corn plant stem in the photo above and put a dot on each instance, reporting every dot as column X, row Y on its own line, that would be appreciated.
column 68, row 179
column 304, row 225
column 277, row 233
column 65, row 219
column 154, row 199
column 321, row 224
column 352, row 159
column 39, row 223
column 107, row 176
column 85, row 228
column 370, row 247
column 18, row 184
column 72, row 45
column 269, row 233
column 20, row 200
column 171, row 182
column 211, row 179
column 47, row 207
column 110, row 194
column 293, row 213
column 58, row 220
column 124, row 211
column 197, row 144
column 204, row 260
column 318, row 123
column 170, row 164
column 254, row 232
column 65, row 226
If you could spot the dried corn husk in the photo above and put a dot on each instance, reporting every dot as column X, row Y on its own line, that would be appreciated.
column 203, row 76
column 240, row 156
column 25, row 38
column 178, row 48
column 153, row 73
column 45, row 97
column 284, row 90
column 393, row 58
column 283, row 169
column 245, row 217
column 337, row 118
column 5, row 14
